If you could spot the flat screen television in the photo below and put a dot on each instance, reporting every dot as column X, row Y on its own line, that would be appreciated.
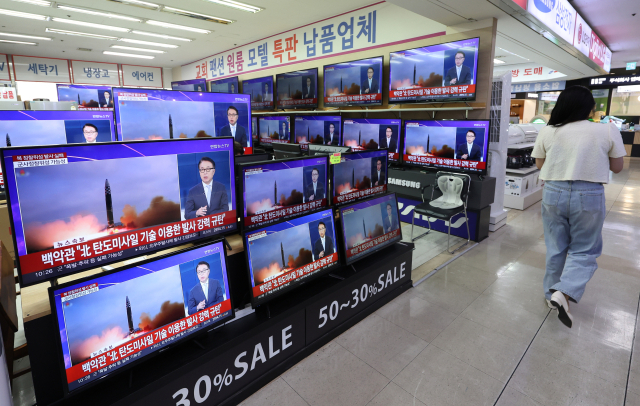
column 321, row 130
column 283, row 189
column 460, row 145
column 355, row 83
column 369, row 226
column 370, row 133
column 228, row 85
column 274, row 129
column 255, row 135
column 359, row 175
column 261, row 92
column 285, row 255
column 88, row 97
column 193, row 85
column 109, row 202
column 110, row 321
column 443, row 72
column 146, row 114
column 298, row 89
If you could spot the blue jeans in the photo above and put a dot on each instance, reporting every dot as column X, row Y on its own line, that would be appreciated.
column 572, row 214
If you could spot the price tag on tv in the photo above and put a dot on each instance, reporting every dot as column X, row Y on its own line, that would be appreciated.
column 334, row 158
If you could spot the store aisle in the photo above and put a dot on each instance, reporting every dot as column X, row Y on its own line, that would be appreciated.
column 479, row 331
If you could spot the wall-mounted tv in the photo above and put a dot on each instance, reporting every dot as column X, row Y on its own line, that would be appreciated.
column 145, row 114
column 356, row 83
column 193, row 85
column 261, row 92
column 443, row 72
column 228, row 85
column 369, row 226
column 451, row 144
column 282, row 189
column 359, row 175
column 282, row 256
column 275, row 129
column 112, row 201
column 322, row 130
column 370, row 133
column 298, row 89
column 108, row 322
column 88, row 97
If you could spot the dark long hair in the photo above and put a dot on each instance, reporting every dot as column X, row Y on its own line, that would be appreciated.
column 574, row 104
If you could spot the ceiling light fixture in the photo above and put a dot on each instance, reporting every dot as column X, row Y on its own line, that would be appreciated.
column 153, row 34
column 199, row 16
column 153, row 44
column 128, row 55
column 138, row 3
column 18, row 42
column 43, row 3
column 23, row 15
column 238, row 5
column 97, row 13
column 80, row 34
column 8, row 34
column 153, row 51
column 177, row 27
column 498, row 61
column 511, row 53
column 85, row 24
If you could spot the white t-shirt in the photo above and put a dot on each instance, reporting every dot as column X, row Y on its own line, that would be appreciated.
column 578, row 151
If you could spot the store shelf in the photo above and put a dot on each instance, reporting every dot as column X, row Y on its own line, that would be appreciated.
column 522, row 202
column 369, row 110
column 522, row 146
column 524, row 171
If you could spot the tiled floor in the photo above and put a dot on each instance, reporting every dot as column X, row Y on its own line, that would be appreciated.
column 478, row 332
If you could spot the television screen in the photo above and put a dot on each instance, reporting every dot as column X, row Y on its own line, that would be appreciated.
column 261, row 92
column 283, row 189
column 108, row 202
column 284, row 255
column 88, row 97
column 146, row 114
column 443, row 72
column 369, row 226
column 297, row 89
column 353, row 83
column 359, row 175
column 229, row 85
column 109, row 321
column 450, row 144
column 275, row 129
column 369, row 133
column 323, row 130
column 193, row 85
column 254, row 130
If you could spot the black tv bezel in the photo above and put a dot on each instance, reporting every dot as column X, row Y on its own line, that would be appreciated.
column 255, row 302
column 440, row 100
column 241, row 172
column 324, row 67
column 271, row 143
column 273, row 101
column 13, row 234
column 333, row 184
column 237, row 78
column 373, row 250
column 305, row 106
column 135, row 362
column 439, row 168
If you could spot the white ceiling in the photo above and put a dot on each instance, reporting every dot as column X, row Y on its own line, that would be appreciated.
column 278, row 16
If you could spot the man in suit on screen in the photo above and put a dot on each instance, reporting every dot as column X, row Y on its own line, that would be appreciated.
column 207, row 292
column 388, row 142
column 283, row 131
column 323, row 245
column 233, row 129
column 107, row 101
column 370, row 85
column 315, row 190
column 469, row 150
column 378, row 176
column 309, row 91
column 390, row 223
column 332, row 138
column 208, row 196
column 459, row 74
column 266, row 96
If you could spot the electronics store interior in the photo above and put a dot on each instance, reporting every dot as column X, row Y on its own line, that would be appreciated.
column 191, row 150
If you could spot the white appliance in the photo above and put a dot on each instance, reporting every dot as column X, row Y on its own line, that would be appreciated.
column 498, row 143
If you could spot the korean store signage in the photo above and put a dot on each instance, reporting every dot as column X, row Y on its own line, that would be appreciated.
column 36, row 69
column 529, row 72
column 539, row 86
column 95, row 73
column 141, row 76
column 558, row 15
column 4, row 68
column 615, row 80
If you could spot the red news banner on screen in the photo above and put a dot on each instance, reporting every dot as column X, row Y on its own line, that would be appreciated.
column 272, row 141
column 373, row 243
column 285, row 211
column 393, row 156
column 354, row 98
column 347, row 197
column 285, row 103
column 72, row 251
column 458, row 163
column 434, row 91
column 124, row 352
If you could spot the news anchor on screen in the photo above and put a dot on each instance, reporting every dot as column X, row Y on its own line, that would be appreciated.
column 323, row 245
column 469, row 150
column 266, row 96
column 388, row 142
column 106, row 100
column 371, row 84
column 378, row 176
column 233, row 129
column 332, row 138
column 309, row 92
column 283, row 132
column 459, row 74
column 90, row 133
column 207, row 292
column 390, row 223
column 315, row 190
column 208, row 196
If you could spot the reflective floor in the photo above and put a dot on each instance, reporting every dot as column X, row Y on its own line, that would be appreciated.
column 479, row 332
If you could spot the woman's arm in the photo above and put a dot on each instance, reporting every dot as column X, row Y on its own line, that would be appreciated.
column 540, row 162
column 616, row 164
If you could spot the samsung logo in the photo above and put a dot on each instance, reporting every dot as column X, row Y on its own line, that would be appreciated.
column 545, row 6
column 404, row 183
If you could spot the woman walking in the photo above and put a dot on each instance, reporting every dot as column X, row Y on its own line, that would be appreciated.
column 575, row 156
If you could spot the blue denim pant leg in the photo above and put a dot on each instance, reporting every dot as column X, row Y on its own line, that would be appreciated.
column 573, row 214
